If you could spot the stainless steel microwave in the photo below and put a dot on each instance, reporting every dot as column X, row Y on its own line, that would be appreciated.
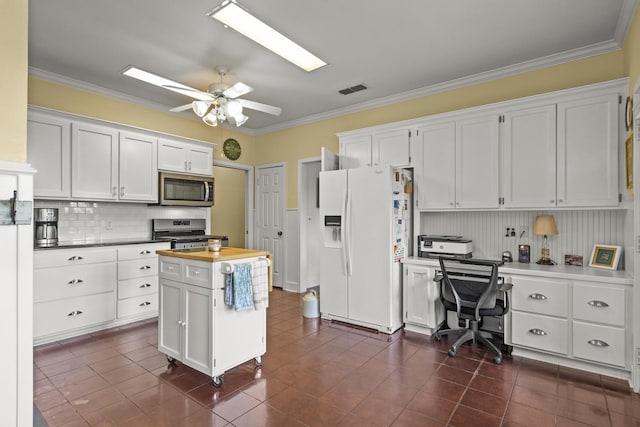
column 185, row 190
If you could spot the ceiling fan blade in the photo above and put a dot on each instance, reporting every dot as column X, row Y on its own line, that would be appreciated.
column 237, row 90
column 260, row 107
column 181, row 108
column 190, row 92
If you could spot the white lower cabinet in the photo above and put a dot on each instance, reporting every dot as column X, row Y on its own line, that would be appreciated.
column 423, row 310
column 540, row 332
column 73, row 289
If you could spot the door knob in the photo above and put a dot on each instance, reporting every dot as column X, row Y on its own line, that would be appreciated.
column 279, row 233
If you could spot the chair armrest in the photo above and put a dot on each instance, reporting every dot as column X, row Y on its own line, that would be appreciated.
column 505, row 287
column 437, row 277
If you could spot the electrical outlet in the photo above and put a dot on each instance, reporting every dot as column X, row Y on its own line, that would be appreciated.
column 108, row 224
column 523, row 231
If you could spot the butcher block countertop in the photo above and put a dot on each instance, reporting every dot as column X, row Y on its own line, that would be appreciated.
column 225, row 254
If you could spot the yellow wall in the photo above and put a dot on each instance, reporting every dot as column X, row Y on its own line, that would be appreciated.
column 13, row 79
column 305, row 141
column 228, row 214
column 63, row 98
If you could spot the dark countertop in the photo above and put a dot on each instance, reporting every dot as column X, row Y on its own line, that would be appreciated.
column 100, row 242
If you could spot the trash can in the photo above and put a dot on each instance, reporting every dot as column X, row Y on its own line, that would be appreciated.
column 310, row 305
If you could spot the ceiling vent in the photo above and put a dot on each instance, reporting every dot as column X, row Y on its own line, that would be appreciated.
column 352, row 89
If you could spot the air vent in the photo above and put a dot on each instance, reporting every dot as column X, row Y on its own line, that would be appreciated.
column 352, row 89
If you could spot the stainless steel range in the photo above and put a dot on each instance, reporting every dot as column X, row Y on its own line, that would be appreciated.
column 184, row 233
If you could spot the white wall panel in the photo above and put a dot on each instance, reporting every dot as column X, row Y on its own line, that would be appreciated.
column 578, row 231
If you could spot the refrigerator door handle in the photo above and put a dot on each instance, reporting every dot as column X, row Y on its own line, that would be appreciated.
column 344, row 233
column 347, row 236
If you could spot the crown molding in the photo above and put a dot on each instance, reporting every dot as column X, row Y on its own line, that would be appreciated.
column 627, row 13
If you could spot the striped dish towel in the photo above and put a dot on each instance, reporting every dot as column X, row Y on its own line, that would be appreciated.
column 260, row 282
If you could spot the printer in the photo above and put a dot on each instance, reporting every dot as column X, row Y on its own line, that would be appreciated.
column 444, row 246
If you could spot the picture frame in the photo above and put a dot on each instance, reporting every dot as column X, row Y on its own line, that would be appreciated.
column 605, row 256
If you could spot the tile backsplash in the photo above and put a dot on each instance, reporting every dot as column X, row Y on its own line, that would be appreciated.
column 82, row 221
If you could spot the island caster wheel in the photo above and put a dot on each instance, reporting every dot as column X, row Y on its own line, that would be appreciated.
column 218, row 381
column 258, row 361
column 171, row 360
column 451, row 352
column 497, row 360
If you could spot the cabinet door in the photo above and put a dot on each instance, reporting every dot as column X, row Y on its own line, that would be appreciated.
column 94, row 162
column 529, row 168
column 588, row 152
column 355, row 152
column 422, row 304
column 170, row 318
column 200, row 160
column 391, row 148
column 138, row 167
column 172, row 156
column 49, row 152
column 436, row 174
column 198, row 328
column 477, row 163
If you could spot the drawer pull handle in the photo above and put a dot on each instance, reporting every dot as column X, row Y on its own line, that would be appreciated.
column 598, row 343
column 145, row 252
column 74, row 313
column 145, row 267
column 170, row 268
column 74, row 281
column 144, row 304
column 75, row 258
column 598, row 304
column 145, row 285
column 538, row 297
column 536, row 331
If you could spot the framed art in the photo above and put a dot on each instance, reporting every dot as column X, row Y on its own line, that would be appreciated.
column 605, row 256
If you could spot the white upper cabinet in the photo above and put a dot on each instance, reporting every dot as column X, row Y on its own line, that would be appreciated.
column 390, row 147
column 184, row 157
column 355, row 152
column 94, row 162
column 436, row 175
column 529, row 160
column 587, row 147
column 49, row 152
column 459, row 164
column 138, row 173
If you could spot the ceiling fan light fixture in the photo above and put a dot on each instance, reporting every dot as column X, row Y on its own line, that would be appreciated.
column 240, row 119
column 231, row 14
column 234, row 108
column 211, row 119
column 201, row 108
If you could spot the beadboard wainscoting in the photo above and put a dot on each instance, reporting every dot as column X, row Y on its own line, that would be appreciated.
column 82, row 221
column 578, row 231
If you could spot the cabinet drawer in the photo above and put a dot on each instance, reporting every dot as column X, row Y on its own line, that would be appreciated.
column 138, row 268
column 602, row 304
column 539, row 332
column 170, row 268
column 540, row 296
column 68, row 282
column 136, row 306
column 140, row 251
column 603, row 344
column 67, row 257
column 198, row 273
column 73, row 313
column 137, row 287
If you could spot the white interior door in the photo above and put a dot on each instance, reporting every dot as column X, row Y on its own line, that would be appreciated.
column 309, row 220
column 271, row 199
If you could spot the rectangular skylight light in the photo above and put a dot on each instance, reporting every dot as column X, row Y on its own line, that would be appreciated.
column 234, row 16
column 154, row 79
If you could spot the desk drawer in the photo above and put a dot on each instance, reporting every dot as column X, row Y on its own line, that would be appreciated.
column 602, row 344
column 540, row 296
column 540, row 332
column 73, row 313
column 601, row 304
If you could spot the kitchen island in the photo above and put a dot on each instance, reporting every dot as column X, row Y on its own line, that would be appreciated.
column 199, row 324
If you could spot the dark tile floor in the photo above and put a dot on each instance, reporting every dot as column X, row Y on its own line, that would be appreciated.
column 316, row 373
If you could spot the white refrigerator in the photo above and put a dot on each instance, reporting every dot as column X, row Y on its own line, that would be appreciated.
column 366, row 215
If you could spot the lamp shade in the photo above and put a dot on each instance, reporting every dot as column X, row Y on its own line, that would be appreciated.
column 545, row 225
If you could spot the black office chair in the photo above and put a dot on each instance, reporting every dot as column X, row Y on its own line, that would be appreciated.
column 471, row 289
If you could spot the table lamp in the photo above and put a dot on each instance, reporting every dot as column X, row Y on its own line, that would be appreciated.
column 545, row 225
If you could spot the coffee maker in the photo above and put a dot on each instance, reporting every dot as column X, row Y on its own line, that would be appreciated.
column 45, row 221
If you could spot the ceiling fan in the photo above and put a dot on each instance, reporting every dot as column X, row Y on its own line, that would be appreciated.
column 219, row 103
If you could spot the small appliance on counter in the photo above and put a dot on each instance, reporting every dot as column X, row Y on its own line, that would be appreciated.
column 444, row 246
column 45, row 221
